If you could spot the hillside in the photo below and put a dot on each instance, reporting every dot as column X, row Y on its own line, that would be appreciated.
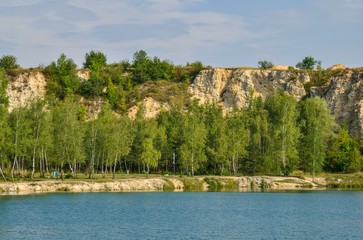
column 228, row 88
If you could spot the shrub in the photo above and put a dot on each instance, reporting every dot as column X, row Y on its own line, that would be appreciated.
column 264, row 64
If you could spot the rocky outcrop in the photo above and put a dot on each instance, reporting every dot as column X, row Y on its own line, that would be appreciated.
column 25, row 87
column 233, row 87
column 343, row 94
column 151, row 107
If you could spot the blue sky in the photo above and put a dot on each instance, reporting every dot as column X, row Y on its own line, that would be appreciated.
column 228, row 33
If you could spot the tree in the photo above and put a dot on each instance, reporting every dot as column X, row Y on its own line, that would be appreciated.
column 191, row 151
column 20, row 125
column 343, row 154
column 149, row 155
column 4, row 81
column 8, row 62
column 236, row 138
column 257, row 159
column 284, row 131
column 63, row 77
column 4, row 128
column 141, row 67
column 4, row 133
column 264, row 64
column 307, row 63
column 172, row 122
column 316, row 130
column 95, row 58
column 68, row 136
column 216, row 141
column 37, row 117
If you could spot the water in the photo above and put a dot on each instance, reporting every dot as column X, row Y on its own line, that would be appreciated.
column 217, row 215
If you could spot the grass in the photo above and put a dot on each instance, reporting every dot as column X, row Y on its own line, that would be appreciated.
column 193, row 184
column 168, row 186
column 345, row 181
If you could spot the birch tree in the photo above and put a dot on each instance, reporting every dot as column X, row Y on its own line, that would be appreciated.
column 236, row 139
column 192, row 150
column 317, row 127
column 68, row 136
column 284, row 131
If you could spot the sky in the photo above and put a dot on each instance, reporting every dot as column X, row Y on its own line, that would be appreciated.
column 228, row 33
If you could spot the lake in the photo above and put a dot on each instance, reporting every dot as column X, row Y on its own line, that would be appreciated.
column 186, row 215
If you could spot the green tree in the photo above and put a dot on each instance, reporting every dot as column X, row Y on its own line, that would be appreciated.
column 4, row 133
column 343, row 154
column 8, row 62
column 172, row 122
column 316, row 129
column 236, row 138
column 94, row 58
column 4, row 128
column 257, row 159
column 307, row 63
column 216, row 141
column 63, row 77
column 39, row 133
column 19, row 123
column 192, row 150
column 264, row 64
column 68, row 136
column 141, row 67
column 4, row 81
column 149, row 155
column 284, row 131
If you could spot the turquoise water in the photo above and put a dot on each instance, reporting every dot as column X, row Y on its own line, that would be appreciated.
column 187, row 215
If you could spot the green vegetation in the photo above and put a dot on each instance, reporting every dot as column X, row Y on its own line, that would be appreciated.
column 272, row 137
column 308, row 63
column 8, row 62
column 264, row 64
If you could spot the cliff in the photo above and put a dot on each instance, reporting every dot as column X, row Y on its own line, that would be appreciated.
column 230, row 88
column 24, row 87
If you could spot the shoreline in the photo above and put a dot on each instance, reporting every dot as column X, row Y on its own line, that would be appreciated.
column 176, row 184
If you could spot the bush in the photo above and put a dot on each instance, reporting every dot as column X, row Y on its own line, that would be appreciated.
column 308, row 63
column 264, row 64
column 8, row 62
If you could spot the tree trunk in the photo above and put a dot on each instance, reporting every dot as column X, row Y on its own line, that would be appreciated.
column 33, row 164
column 46, row 162
column 13, row 168
column 114, row 167
column 284, row 150
column 2, row 173
column 147, row 170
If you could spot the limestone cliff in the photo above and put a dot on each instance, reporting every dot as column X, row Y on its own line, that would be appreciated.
column 25, row 87
column 232, row 87
column 343, row 94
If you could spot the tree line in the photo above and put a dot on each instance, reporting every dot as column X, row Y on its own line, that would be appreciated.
column 274, row 136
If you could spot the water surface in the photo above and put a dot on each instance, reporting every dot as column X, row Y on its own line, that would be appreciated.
column 187, row 215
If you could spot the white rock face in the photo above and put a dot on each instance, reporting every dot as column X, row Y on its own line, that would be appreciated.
column 232, row 88
column 152, row 108
column 343, row 94
column 26, row 87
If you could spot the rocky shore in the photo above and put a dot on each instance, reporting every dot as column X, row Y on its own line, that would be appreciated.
column 163, row 184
